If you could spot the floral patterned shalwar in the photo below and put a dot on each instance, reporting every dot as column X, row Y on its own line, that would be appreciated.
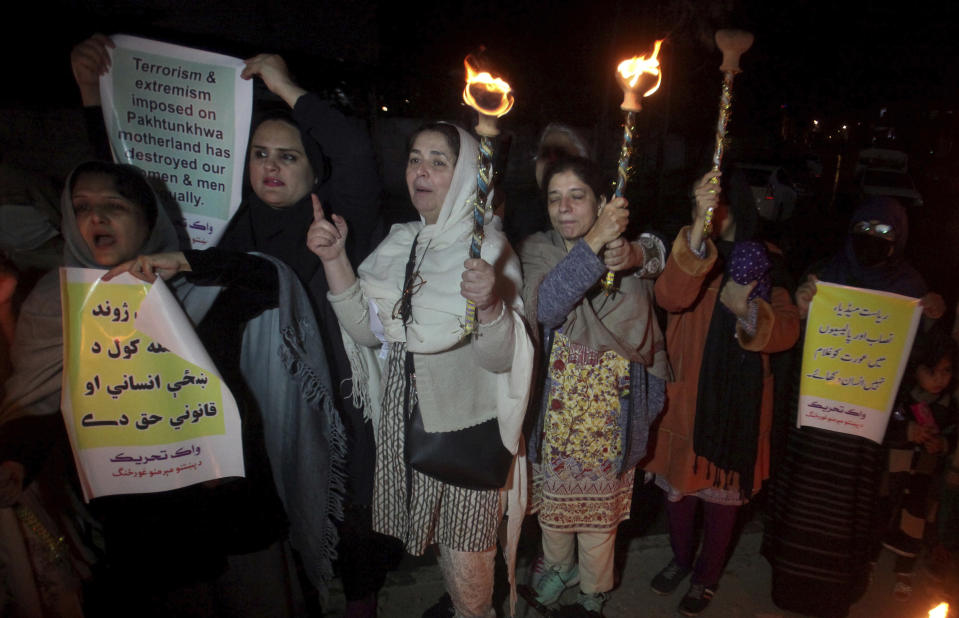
column 578, row 486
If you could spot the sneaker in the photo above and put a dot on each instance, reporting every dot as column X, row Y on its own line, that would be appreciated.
column 537, row 570
column 667, row 580
column 592, row 603
column 696, row 600
column 586, row 606
column 903, row 588
column 554, row 582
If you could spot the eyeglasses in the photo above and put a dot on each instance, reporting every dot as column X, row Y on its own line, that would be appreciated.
column 880, row 230
column 551, row 153
column 403, row 309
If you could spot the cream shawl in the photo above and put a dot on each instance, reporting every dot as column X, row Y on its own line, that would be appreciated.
column 437, row 326
column 439, row 308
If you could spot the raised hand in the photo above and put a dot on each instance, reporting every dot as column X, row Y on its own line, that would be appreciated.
column 706, row 195
column 479, row 280
column 327, row 239
column 89, row 60
column 149, row 267
column 610, row 223
column 933, row 306
column 804, row 295
column 735, row 296
column 272, row 69
column 622, row 255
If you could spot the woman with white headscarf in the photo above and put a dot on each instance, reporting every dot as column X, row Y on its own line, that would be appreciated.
column 253, row 318
column 405, row 308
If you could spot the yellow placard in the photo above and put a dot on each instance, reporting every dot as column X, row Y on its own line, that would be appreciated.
column 128, row 389
column 856, row 348
column 141, row 417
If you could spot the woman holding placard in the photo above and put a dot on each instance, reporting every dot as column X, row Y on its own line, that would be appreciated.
column 184, row 552
column 309, row 147
column 830, row 478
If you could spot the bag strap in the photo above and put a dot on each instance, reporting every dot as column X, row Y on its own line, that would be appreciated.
column 406, row 313
column 406, row 296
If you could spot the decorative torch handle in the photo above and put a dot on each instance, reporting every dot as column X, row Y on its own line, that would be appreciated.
column 622, row 177
column 625, row 153
column 725, row 106
column 54, row 545
column 484, row 180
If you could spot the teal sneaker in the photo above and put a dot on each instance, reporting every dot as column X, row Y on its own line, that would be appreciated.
column 537, row 570
column 557, row 579
column 592, row 603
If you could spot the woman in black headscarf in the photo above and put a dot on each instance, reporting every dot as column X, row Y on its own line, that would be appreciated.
column 309, row 147
column 313, row 148
column 824, row 495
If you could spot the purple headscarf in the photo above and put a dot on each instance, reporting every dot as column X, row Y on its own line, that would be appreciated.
column 895, row 274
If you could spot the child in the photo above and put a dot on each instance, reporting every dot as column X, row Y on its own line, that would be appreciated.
column 942, row 564
column 921, row 432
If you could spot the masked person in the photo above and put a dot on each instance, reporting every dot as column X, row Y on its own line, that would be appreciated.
column 824, row 498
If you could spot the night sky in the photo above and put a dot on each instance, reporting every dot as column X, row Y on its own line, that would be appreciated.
column 840, row 62
column 829, row 58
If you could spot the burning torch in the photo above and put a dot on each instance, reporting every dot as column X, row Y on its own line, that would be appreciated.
column 733, row 44
column 491, row 98
column 634, row 77
column 939, row 611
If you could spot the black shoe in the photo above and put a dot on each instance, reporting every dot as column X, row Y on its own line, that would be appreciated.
column 441, row 609
column 696, row 600
column 900, row 543
column 667, row 580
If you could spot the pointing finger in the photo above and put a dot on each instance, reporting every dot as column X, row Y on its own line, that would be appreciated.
column 340, row 224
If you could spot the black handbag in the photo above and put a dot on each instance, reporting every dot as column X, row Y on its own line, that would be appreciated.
column 473, row 457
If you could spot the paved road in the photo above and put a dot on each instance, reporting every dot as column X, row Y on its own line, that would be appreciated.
column 744, row 588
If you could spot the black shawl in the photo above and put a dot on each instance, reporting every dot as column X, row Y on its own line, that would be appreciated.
column 729, row 394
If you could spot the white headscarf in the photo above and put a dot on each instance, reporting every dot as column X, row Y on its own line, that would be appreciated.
column 438, row 306
column 437, row 325
column 34, row 386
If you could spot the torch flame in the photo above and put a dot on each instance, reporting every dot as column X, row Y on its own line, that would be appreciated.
column 939, row 611
column 634, row 68
column 494, row 94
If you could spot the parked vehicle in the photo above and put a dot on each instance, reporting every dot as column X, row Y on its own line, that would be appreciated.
column 890, row 182
column 773, row 191
column 813, row 164
column 882, row 158
column 804, row 174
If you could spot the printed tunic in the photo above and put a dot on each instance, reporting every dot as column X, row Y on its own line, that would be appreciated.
column 578, row 486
